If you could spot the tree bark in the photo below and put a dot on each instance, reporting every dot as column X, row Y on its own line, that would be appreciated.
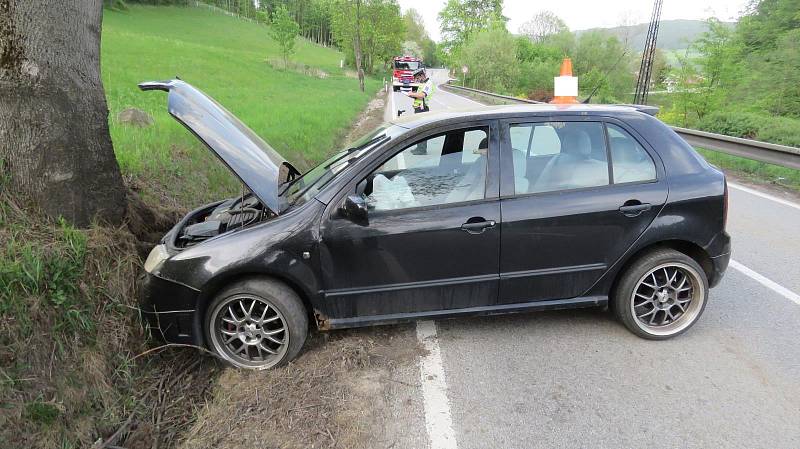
column 55, row 147
column 357, row 46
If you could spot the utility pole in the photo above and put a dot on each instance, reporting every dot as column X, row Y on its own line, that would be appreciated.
column 648, row 55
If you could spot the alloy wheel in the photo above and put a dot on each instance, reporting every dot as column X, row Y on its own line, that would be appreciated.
column 249, row 331
column 667, row 299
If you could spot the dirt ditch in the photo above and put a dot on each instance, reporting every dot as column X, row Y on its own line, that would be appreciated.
column 340, row 393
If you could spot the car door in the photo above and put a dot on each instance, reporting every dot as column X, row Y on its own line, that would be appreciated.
column 582, row 191
column 431, row 240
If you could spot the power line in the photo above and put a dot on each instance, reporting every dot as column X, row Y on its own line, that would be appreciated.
column 648, row 55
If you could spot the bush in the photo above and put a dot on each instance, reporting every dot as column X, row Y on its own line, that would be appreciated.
column 749, row 125
column 736, row 124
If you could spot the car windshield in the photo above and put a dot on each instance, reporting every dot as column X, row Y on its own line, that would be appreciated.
column 306, row 186
column 406, row 65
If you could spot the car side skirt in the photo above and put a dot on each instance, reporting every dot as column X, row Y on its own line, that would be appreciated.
column 376, row 320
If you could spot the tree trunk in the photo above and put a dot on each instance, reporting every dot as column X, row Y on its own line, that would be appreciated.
column 55, row 146
column 357, row 46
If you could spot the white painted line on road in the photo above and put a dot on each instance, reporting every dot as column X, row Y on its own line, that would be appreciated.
column 434, row 100
column 434, row 390
column 766, row 282
column 394, row 109
column 764, row 195
column 461, row 96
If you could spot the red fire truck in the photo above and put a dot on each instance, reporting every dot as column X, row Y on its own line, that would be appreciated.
column 403, row 69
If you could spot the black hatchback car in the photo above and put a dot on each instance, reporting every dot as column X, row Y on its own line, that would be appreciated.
column 496, row 210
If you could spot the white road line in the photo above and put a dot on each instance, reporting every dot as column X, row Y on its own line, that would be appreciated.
column 434, row 390
column 763, row 280
column 394, row 109
column 463, row 97
column 764, row 195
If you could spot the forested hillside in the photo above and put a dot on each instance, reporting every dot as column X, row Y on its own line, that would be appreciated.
column 672, row 34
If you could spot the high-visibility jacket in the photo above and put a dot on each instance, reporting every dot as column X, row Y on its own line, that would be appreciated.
column 427, row 89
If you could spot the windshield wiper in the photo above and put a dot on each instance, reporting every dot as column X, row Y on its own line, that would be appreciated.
column 347, row 152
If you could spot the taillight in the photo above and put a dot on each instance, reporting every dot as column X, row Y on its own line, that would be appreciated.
column 725, row 207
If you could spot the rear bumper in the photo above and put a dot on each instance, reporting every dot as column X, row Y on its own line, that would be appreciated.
column 169, row 310
column 720, row 253
column 718, row 266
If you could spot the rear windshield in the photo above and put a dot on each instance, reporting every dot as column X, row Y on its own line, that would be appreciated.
column 406, row 65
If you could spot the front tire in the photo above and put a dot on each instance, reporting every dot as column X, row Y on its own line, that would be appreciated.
column 661, row 294
column 256, row 324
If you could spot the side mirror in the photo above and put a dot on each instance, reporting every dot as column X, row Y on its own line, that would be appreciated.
column 355, row 209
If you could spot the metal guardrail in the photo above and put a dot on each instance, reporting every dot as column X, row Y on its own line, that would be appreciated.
column 750, row 149
column 494, row 95
column 771, row 153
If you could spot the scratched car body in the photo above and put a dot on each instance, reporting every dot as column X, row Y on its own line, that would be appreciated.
column 495, row 210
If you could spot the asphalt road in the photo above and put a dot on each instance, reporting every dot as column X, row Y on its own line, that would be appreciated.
column 578, row 379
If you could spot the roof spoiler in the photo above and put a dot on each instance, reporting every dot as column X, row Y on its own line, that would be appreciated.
column 649, row 110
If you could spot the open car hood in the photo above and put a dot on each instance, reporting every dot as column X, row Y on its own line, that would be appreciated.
column 251, row 159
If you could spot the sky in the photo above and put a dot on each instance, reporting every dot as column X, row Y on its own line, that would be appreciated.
column 584, row 14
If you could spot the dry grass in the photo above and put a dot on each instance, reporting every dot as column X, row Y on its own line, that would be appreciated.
column 332, row 396
column 69, row 333
column 370, row 119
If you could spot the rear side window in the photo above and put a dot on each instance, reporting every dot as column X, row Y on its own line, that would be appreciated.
column 630, row 161
column 554, row 156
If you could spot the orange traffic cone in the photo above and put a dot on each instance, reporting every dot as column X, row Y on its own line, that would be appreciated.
column 566, row 85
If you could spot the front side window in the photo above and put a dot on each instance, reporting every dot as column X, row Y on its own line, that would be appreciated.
column 554, row 156
column 630, row 161
column 447, row 168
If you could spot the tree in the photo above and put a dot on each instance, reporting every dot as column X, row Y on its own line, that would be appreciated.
column 55, row 146
column 604, row 65
column 538, row 64
column 412, row 48
column 357, row 46
column 490, row 55
column 416, row 32
column 661, row 68
column 542, row 25
column 284, row 30
column 460, row 19
column 368, row 31
column 415, row 26
column 383, row 32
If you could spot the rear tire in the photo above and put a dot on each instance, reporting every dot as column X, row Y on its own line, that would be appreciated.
column 256, row 323
column 661, row 294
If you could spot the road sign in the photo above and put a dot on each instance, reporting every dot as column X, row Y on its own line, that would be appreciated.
column 464, row 69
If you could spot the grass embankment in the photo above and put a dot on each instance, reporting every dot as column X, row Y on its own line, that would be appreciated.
column 748, row 125
column 301, row 116
column 73, row 366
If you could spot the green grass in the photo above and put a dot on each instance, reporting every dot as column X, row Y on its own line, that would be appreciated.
column 301, row 116
column 754, row 170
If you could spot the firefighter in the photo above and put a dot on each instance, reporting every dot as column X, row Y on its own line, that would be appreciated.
column 420, row 104
column 423, row 93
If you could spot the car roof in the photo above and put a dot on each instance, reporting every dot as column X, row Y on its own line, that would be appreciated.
column 412, row 121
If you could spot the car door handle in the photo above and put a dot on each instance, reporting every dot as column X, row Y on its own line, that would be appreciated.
column 477, row 227
column 631, row 209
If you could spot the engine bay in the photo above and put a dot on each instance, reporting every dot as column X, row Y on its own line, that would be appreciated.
column 220, row 218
